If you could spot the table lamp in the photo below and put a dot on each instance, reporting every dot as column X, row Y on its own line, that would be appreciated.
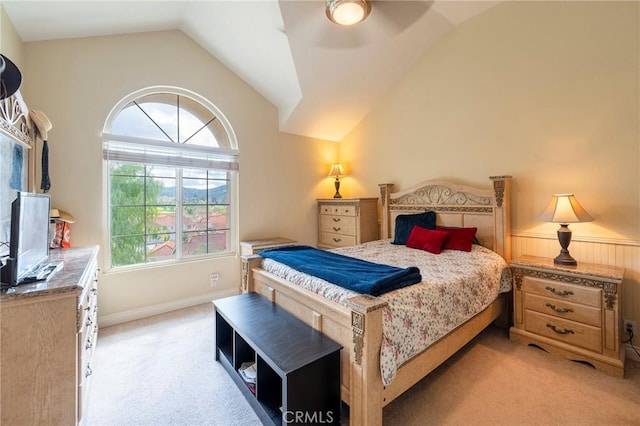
column 565, row 209
column 337, row 170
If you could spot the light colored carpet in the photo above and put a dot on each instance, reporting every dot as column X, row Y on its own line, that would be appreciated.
column 161, row 371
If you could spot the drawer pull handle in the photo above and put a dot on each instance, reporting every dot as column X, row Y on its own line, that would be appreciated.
column 336, row 219
column 559, row 310
column 337, row 240
column 559, row 293
column 336, row 229
column 565, row 331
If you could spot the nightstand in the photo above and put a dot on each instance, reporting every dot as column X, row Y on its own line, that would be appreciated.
column 347, row 221
column 571, row 311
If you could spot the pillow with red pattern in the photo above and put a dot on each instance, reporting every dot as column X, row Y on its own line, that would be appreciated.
column 458, row 238
column 430, row 240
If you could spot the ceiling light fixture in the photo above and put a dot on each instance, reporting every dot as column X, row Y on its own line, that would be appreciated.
column 347, row 12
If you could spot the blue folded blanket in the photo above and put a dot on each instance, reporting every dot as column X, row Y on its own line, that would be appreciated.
column 347, row 272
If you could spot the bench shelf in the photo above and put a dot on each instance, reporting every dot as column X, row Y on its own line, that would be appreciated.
column 298, row 368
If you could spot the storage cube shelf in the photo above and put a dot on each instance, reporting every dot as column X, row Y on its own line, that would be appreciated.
column 298, row 368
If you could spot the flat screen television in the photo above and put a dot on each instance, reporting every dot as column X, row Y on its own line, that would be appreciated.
column 29, row 240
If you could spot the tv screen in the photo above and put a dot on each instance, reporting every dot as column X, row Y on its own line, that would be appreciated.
column 29, row 242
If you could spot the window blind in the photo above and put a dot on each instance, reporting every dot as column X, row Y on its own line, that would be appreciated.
column 148, row 151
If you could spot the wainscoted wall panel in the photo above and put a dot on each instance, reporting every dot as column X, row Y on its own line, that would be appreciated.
column 625, row 254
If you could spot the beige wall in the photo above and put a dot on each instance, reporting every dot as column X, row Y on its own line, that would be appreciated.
column 76, row 82
column 545, row 91
column 10, row 43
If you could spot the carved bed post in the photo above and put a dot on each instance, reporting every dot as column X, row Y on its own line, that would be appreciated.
column 385, row 199
column 248, row 263
column 502, row 188
column 366, row 403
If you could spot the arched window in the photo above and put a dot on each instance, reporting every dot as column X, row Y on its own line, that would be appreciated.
column 171, row 161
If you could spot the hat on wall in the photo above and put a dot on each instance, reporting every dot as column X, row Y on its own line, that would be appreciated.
column 10, row 79
column 42, row 122
column 61, row 215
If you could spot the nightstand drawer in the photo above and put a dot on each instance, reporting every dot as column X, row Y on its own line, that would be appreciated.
column 338, row 225
column 337, row 240
column 566, row 292
column 570, row 332
column 567, row 310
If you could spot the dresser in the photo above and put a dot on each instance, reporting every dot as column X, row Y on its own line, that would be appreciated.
column 571, row 311
column 347, row 221
column 49, row 331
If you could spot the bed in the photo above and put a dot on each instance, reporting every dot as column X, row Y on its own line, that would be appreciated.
column 358, row 321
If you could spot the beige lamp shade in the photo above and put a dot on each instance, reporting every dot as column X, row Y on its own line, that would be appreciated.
column 564, row 208
column 336, row 170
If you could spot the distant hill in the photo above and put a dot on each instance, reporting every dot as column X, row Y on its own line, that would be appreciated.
column 217, row 195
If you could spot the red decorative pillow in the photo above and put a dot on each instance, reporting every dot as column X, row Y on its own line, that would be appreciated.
column 430, row 240
column 458, row 238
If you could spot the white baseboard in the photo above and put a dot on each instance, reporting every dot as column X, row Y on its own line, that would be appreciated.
column 148, row 311
column 631, row 354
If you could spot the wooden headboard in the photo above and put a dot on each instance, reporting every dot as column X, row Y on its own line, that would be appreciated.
column 455, row 205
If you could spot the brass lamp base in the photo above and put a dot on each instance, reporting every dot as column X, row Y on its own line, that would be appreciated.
column 564, row 237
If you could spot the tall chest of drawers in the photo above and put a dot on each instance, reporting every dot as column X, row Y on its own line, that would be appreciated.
column 569, row 311
column 347, row 221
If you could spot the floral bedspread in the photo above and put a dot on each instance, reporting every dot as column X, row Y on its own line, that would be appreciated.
column 455, row 286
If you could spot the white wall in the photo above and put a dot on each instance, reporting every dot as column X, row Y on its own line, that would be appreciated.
column 545, row 91
column 76, row 82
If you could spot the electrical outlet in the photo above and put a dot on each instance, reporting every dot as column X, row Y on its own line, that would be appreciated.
column 629, row 324
column 213, row 279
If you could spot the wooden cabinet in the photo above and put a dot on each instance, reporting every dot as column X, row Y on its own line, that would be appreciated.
column 347, row 221
column 49, row 331
column 297, row 368
column 572, row 311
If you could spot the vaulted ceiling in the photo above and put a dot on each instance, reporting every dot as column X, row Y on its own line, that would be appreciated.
column 323, row 78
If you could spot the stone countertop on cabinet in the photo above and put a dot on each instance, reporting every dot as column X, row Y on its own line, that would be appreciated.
column 68, row 279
